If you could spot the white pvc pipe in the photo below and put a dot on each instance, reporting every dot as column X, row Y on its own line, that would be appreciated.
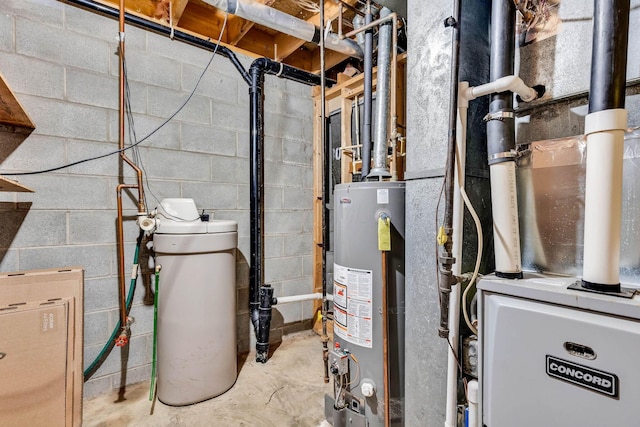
column 604, row 131
column 472, row 398
column 504, row 204
column 298, row 298
column 503, row 84
column 451, row 413
column 283, row 22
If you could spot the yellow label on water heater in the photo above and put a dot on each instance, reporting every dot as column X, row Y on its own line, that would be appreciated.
column 384, row 234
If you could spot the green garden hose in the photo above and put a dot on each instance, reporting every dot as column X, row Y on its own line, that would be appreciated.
column 106, row 350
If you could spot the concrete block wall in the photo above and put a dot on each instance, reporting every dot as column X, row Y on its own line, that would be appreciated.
column 61, row 61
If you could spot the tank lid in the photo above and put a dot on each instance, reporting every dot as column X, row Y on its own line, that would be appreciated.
column 180, row 216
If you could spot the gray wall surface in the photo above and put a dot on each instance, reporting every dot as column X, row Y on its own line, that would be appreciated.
column 562, row 64
column 61, row 62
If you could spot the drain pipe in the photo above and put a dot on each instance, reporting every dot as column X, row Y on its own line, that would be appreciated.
column 261, row 295
column 274, row 19
column 604, row 129
column 501, row 144
column 387, row 30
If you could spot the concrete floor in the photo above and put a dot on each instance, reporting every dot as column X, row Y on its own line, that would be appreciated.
column 287, row 391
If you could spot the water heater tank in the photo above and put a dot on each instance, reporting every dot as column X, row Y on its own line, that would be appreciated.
column 358, row 295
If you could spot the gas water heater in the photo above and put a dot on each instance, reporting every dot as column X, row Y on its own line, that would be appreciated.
column 363, row 211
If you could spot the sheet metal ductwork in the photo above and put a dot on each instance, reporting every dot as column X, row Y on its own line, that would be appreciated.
column 287, row 24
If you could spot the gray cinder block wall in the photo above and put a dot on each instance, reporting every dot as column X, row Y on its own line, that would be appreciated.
column 62, row 64
column 562, row 63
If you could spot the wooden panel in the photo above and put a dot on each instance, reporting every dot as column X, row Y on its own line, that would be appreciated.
column 203, row 20
column 11, row 111
column 7, row 184
column 258, row 42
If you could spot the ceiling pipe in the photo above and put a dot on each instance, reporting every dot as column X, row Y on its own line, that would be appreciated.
column 604, row 130
column 501, row 144
column 262, row 14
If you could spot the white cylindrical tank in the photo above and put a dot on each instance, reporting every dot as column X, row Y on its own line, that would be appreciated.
column 197, row 352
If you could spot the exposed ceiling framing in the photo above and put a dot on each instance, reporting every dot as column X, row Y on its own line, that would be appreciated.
column 198, row 18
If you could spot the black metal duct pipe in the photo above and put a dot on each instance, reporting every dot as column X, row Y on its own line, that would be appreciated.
column 161, row 29
column 609, row 55
column 368, row 94
column 446, row 259
column 260, row 294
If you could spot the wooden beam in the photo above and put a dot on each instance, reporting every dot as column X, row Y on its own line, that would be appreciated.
column 11, row 111
column 288, row 45
column 258, row 42
column 238, row 27
column 310, row 60
column 177, row 9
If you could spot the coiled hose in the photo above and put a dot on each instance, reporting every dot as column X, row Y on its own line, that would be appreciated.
column 106, row 350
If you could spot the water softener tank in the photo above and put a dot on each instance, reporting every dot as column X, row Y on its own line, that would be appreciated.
column 357, row 281
column 197, row 354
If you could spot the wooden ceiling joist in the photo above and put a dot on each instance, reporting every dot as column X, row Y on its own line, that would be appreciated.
column 203, row 20
column 287, row 45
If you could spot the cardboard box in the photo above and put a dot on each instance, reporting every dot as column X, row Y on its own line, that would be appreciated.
column 34, row 364
column 46, row 285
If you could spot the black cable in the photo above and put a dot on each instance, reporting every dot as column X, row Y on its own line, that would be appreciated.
column 135, row 144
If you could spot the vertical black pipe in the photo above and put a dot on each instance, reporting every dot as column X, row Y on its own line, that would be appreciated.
column 501, row 133
column 446, row 260
column 609, row 54
column 264, row 323
column 256, row 190
column 261, row 295
column 368, row 94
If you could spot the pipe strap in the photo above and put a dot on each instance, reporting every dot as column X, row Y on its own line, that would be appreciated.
column 499, row 115
column 504, row 155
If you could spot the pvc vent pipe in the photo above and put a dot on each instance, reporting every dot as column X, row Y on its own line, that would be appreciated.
column 501, row 144
column 604, row 130
column 262, row 14
column 383, row 96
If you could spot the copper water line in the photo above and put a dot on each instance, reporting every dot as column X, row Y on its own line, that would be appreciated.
column 385, row 342
column 141, row 205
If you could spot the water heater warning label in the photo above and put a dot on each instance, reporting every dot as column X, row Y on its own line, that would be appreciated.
column 352, row 293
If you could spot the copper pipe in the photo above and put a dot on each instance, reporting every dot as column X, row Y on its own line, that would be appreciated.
column 120, row 244
column 385, row 342
column 120, row 187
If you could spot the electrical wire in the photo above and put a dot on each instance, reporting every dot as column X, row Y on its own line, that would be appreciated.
column 357, row 375
column 478, row 225
column 149, row 135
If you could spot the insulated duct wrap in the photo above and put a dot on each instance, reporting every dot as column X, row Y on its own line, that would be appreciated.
column 551, row 181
